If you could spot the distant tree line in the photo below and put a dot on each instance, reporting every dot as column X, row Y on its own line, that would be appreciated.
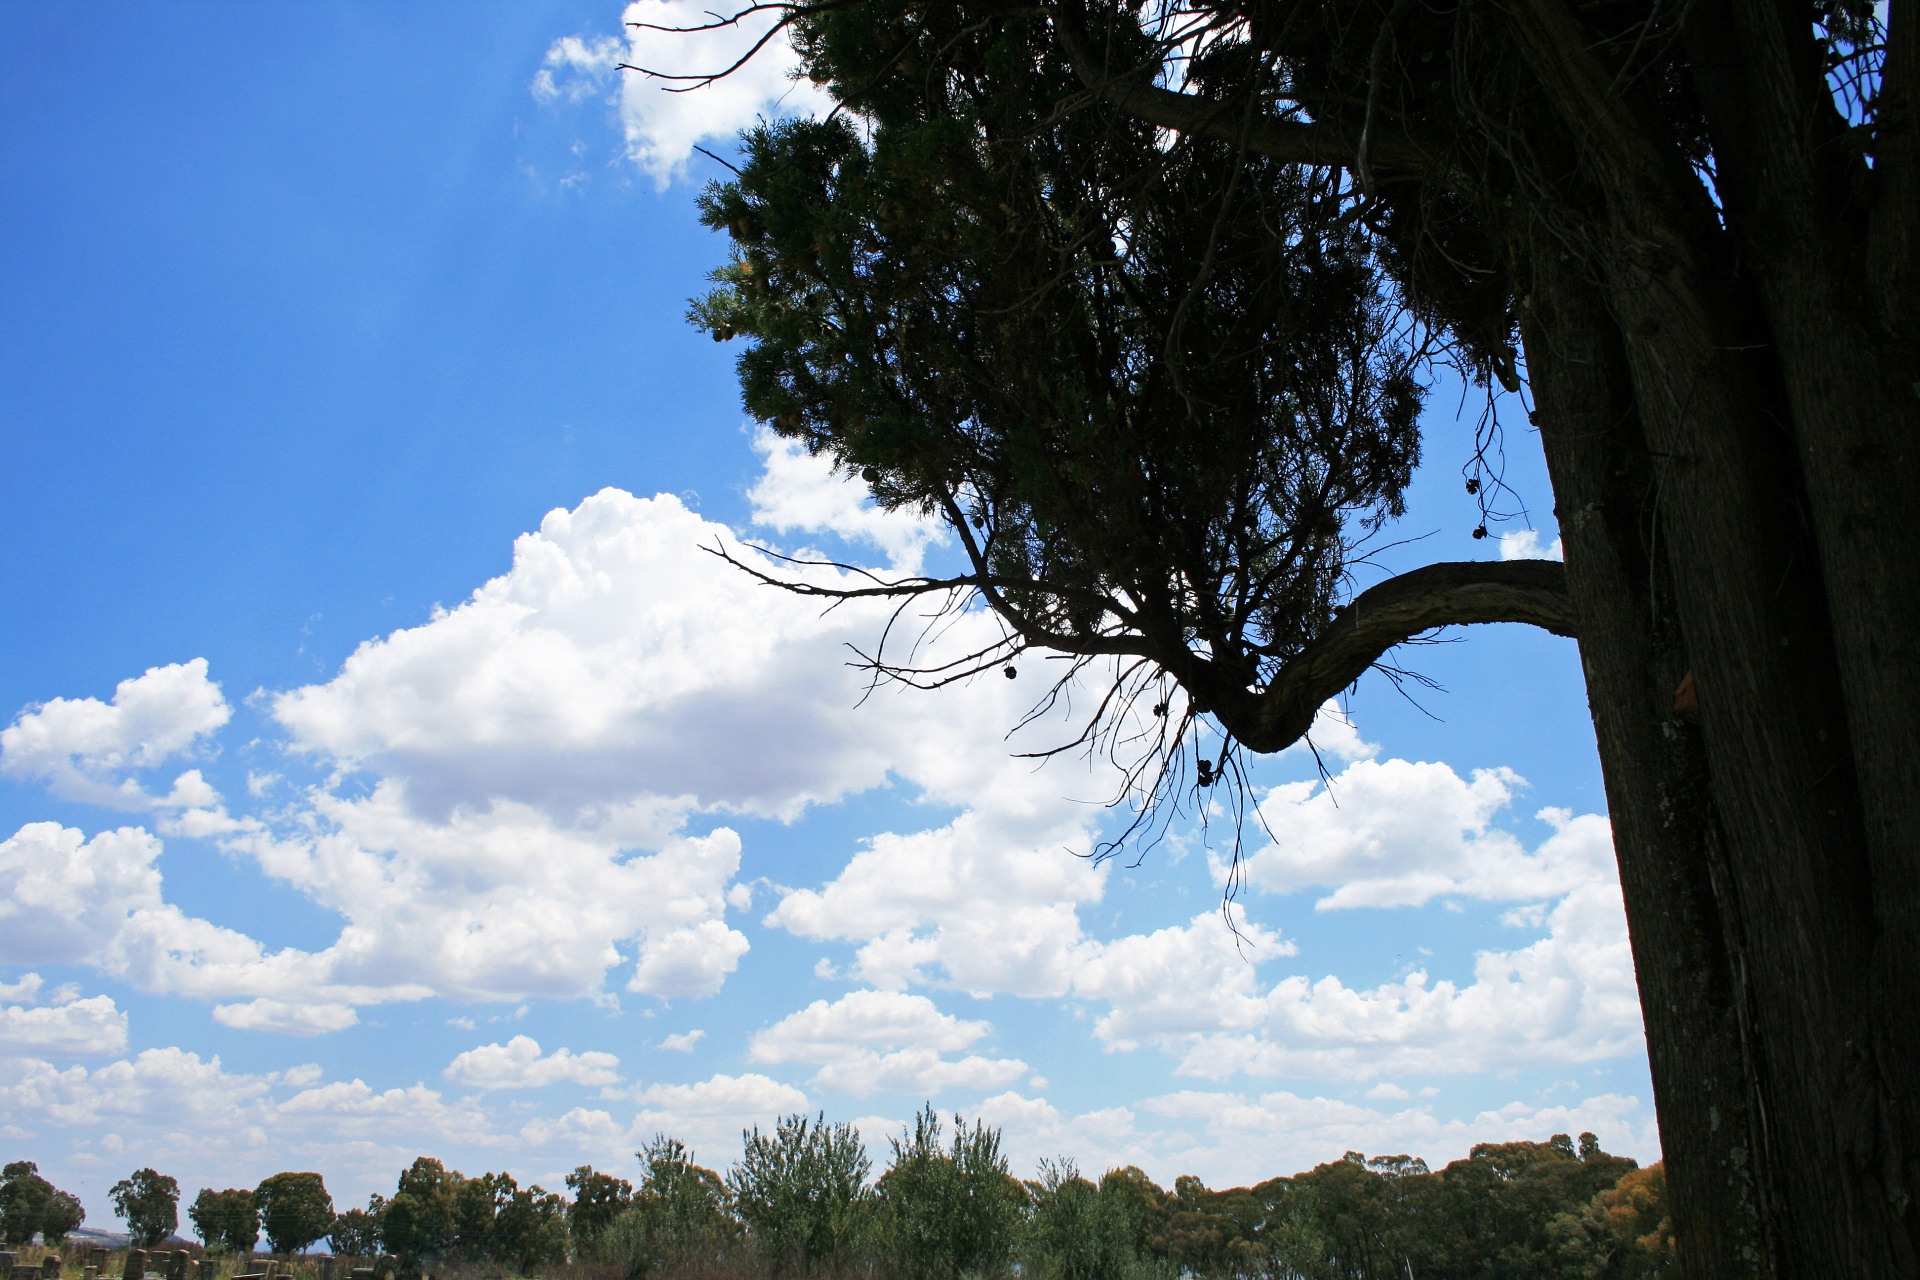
column 801, row 1202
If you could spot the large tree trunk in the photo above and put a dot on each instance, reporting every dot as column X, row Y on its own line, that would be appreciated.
column 1672, row 869
column 1739, row 516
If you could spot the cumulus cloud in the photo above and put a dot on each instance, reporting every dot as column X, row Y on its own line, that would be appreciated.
column 801, row 493
column 1400, row 833
column 519, row 1064
column 709, row 1114
column 1567, row 998
column 662, row 128
column 872, row 1041
column 67, row 899
column 83, row 747
column 67, row 1028
column 938, row 906
column 683, row 1041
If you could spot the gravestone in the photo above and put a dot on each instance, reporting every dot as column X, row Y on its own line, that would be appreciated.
column 157, row 1260
column 90, row 1272
column 207, row 1269
column 136, row 1268
column 97, row 1259
column 326, row 1267
column 50, row 1266
column 362, row 1273
column 178, row 1264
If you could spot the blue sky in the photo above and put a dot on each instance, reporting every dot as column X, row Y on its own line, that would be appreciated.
column 387, row 769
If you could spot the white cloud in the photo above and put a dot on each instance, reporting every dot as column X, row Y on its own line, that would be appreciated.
column 871, row 1041
column 682, row 1041
column 709, row 1115
column 662, row 127
column 1400, row 833
column 1169, row 983
column 518, row 1064
column 1334, row 734
column 78, row 746
column 986, row 902
column 286, row 1017
column 65, row 899
column 1567, row 998
column 1524, row 544
column 72, row 1029
column 800, row 493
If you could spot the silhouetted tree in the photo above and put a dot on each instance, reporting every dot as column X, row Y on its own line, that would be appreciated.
column 1139, row 300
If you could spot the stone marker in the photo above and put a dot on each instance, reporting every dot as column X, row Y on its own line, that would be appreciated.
column 363, row 1273
column 136, row 1268
column 90, row 1272
column 207, row 1268
column 178, row 1264
column 97, row 1259
column 50, row 1266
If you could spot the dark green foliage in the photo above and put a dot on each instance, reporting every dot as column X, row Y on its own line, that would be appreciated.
column 949, row 1211
column 529, row 1229
column 678, row 1222
column 418, row 1222
column 29, row 1204
column 801, row 1192
column 226, row 1220
column 356, row 1233
column 295, row 1210
column 598, row 1198
column 1156, row 425
column 477, row 1203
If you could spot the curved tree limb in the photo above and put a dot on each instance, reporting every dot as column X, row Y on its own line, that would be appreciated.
column 1452, row 593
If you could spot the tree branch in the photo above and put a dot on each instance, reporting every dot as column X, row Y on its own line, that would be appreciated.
column 1453, row 593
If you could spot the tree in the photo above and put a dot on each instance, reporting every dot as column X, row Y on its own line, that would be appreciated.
column 1076, row 1231
column 477, row 1206
column 802, row 1192
column 676, row 1222
column 949, row 1210
column 356, row 1232
column 598, row 1198
column 418, row 1222
column 225, row 1219
column 31, row 1205
column 149, row 1203
column 1137, row 299
column 530, row 1230
column 295, row 1210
